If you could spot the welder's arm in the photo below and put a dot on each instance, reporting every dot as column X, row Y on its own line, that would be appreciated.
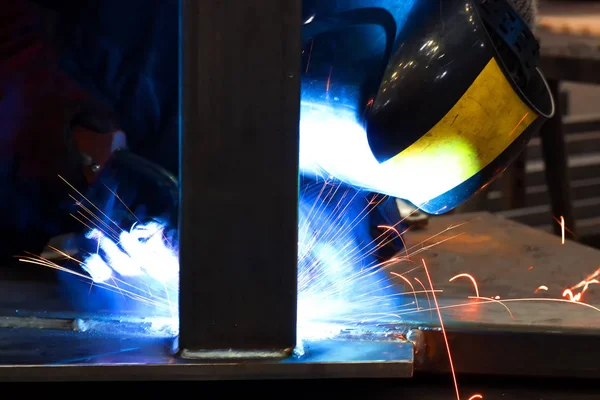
column 39, row 106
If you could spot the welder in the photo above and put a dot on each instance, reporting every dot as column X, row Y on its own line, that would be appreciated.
column 109, row 69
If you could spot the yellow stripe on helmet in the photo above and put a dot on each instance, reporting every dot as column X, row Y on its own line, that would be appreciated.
column 488, row 117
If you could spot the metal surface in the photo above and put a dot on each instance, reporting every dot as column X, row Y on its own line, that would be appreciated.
column 508, row 259
column 540, row 334
column 540, row 339
column 74, row 341
column 107, row 354
column 239, row 174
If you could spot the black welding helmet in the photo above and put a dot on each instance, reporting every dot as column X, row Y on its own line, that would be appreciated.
column 424, row 100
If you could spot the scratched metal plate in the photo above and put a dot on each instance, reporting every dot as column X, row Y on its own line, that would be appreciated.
column 522, row 333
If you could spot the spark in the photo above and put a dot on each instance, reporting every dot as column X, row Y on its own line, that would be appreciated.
column 589, row 278
column 339, row 277
column 588, row 283
column 542, row 287
column 398, row 234
column 425, row 290
column 310, row 19
column 470, row 277
column 525, row 299
column 409, row 284
column 117, row 286
column 577, row 297
column 88, row 201
column 562, row 228
column 494, row 301
column 569, row 293
column 437, row 307
column 475, row 396
column 312, row 43
column 139, row 263
column 520, row 122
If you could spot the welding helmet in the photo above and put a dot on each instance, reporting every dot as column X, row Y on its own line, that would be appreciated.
column 425, row 100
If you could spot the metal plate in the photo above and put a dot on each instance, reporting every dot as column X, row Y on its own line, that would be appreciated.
column 54, row 355
column 539, row 340
column 120, row 347
column 522, row 333
column 506, row 258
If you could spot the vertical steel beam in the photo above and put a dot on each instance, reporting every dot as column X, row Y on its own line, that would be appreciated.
column 240, row 102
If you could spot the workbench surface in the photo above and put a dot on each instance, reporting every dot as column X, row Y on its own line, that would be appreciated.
column 506, row 258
